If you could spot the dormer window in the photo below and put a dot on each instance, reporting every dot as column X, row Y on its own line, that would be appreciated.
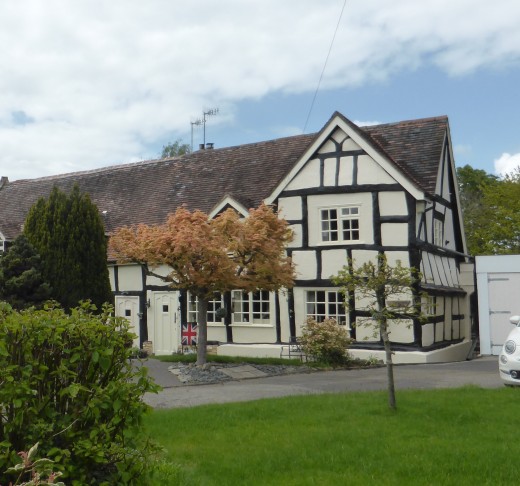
column 340, row 224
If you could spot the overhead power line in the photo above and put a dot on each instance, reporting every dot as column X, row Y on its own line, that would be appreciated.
column 324, row 66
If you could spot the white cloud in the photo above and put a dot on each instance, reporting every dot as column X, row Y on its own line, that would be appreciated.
column 90, row 82
column 366, row 123
column 506, row 164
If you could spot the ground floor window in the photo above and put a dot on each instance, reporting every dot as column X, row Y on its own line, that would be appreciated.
column 214, row 304
column 247, row 307
column 251, row 307
column 323, row 304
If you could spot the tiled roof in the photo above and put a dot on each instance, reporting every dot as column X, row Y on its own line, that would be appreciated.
column 146, row 192
column 415, row 146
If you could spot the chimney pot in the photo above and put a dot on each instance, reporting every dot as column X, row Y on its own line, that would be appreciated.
column 209, row 145
column 201, row 146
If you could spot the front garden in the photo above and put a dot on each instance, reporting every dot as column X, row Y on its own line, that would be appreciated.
column 450, row 437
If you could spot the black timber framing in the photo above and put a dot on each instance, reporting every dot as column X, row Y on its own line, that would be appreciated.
column 305, row 219
column 376, row 219
column 278, row 324
column 350, row 189
column 292, row 318
column 143, row 320
column 414, row 248
column 227, row 317
column 414, row 258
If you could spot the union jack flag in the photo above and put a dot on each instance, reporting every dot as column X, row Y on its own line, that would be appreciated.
column 189, row 334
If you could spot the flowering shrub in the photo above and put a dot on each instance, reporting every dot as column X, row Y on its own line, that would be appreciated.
column 38, row 471
column 325, row 341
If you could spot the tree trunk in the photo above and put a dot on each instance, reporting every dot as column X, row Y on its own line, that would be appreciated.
column 202, row 338
column 389, row 364
column 383, row 329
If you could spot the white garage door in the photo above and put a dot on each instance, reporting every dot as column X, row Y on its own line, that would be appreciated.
column 504, row 301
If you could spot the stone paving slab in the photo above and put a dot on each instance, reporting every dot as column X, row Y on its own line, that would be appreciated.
column 243, row 372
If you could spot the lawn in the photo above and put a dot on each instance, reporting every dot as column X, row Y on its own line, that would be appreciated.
column 454, row 437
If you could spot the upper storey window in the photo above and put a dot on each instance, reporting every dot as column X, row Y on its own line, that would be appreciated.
column 340, row 224
column 438, row 232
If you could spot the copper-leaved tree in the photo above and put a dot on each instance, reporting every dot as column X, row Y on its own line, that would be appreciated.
column 205, row 255
column 386, row 294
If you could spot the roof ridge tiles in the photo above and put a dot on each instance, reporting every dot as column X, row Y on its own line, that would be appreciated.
column 149, row 162
column 92, row 171
column 405, row 122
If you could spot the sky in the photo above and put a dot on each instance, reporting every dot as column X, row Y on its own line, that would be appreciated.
column 90, row 83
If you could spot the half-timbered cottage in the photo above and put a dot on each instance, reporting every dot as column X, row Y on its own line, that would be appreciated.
column 348, row 192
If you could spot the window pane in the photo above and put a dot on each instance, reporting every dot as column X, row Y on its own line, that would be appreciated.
column 260, row 302
column 326, row 304
column 341, row 224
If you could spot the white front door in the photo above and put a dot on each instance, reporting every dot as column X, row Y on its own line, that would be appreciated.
column 128, row 306
column 166, row 327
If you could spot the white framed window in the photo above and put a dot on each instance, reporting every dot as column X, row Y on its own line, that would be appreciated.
column 326, row 304
column 216, row 303
column 438, row 230
column 251, row 307
column 429, row 305
column 340, row 224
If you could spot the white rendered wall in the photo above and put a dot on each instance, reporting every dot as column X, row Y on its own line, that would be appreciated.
column 130, row 278
column 392, row 204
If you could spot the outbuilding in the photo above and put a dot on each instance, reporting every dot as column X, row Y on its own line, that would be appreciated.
column 498, row 284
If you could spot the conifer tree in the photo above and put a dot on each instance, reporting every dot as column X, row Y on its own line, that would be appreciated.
column 68, row 233
column 21, row 276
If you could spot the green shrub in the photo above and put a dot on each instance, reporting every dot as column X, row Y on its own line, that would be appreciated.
column 325, row 341
column 66, row 382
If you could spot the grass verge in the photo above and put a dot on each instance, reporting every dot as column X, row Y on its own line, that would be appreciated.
column 462, row 436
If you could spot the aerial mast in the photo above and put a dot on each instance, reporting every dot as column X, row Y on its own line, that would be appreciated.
column 202, row 121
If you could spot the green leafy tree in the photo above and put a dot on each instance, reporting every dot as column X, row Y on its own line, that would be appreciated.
column 491, row 211
column 387, row 294
column 21, row 276
column 174, row 149
column 68, row 233
column 501, row 217
column 473, row 183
